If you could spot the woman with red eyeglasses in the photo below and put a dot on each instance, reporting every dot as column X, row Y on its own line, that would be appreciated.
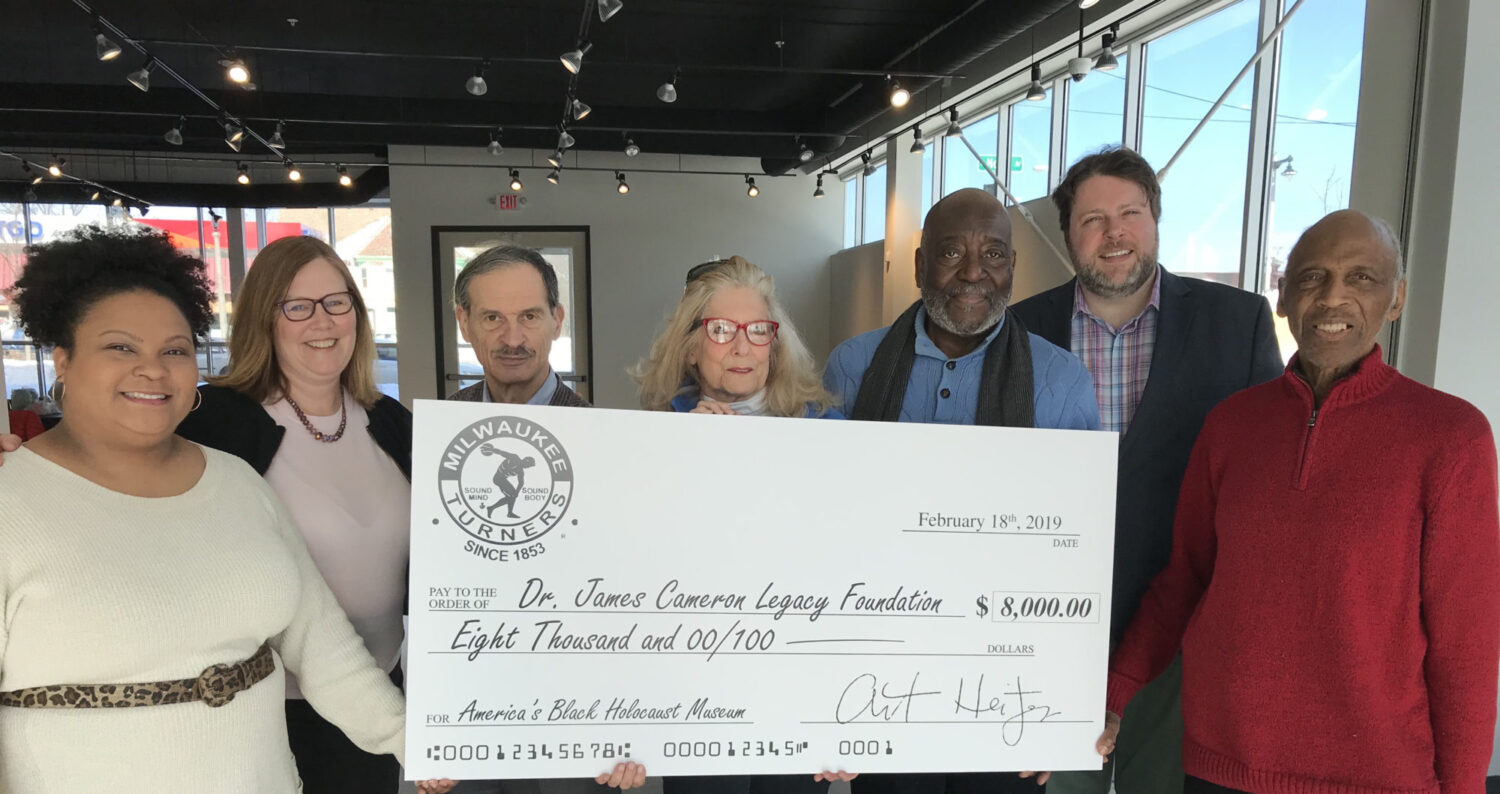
column 729, row 348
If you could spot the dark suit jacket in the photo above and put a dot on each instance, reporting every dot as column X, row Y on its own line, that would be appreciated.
column 1212, row 340
column 564, row 396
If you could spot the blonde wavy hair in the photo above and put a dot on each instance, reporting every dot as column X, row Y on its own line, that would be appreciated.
column 792, row 386
column 254, row 370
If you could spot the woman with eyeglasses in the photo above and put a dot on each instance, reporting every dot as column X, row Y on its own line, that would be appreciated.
column 154, row 592
column 299, row 404
column 729, row 348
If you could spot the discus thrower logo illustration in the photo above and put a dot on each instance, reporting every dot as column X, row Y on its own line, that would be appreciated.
column 505, row 481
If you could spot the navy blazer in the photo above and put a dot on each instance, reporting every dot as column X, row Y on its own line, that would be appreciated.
column 1212, row 340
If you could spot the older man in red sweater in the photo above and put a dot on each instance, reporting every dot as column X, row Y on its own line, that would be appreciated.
column 1333, row 584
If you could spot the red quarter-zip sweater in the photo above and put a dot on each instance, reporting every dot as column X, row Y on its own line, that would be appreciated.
column 1334, row 588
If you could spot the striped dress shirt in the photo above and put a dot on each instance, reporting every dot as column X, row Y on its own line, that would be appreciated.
column 1119, row 359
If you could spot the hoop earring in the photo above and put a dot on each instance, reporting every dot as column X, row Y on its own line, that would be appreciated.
column 198, row 403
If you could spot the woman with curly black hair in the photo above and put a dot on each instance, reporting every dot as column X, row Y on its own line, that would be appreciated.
column 154, row 591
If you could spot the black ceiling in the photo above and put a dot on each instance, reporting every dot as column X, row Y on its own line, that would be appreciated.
column 352, row 76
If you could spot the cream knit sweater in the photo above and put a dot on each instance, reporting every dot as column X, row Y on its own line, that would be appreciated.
column 99, row 587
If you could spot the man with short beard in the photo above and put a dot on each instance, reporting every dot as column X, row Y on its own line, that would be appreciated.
column 959, row 357
column 1163, row 350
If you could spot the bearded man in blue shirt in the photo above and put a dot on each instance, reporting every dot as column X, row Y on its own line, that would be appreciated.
column 959, row 356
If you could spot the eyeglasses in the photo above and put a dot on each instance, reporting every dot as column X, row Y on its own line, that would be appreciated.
column 335, row 303
column 758, row 332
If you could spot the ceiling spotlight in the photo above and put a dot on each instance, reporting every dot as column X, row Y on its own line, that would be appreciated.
column 1036, row 93
column 174, row 135
column 278, row 142
column 631, row 149
column 476, row 84
column 293, row 172
column 1087, row 3
column 953, row 130
column 572, row 60
column 623, row 187
column 667, row 92
column 555, row 159
column 36, row 179
column 55, row 167
column 234, row 135
column 94, row 195
column 564, row 140
column 554, row 176
column 344, row 178
column 243, row 177
column 819, row 192
column 495, row 148
column 751, row 191
column 580, row 110
column 869, row 169
column 608, row 8
column 105, row 49
column 515, row 180
column 803, row 153
column 141, row 78
column 1107, row 61
column 899, row 96
column 916, row 141
column 235, row 69
column 117, row 202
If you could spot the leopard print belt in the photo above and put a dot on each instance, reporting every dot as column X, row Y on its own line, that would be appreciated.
column 216, row 686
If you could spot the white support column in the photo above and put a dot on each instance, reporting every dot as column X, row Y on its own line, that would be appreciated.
column 903, row 225
column 1135, row 94
column 1260, row 193
column 1448, row 336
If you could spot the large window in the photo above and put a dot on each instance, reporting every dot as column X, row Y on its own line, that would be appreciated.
column 1096, row 112
column 1175, row 73
column 1313, row 136
column 874, row 187
column 1030, row 147
column 1203, row 196
column 927, row 158
column 960, row 169
column 851, row 212
column 29, row 375
column 361, row 235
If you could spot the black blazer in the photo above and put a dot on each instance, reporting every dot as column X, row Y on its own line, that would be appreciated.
column 231, row 422
column 1212, row 340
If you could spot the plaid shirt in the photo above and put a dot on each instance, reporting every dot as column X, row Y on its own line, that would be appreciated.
column 1119, row 359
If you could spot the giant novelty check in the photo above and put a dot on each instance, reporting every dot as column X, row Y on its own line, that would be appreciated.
column 718, row 595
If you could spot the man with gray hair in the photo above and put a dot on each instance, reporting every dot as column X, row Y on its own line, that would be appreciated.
column 1332, row 579
column 506, row 302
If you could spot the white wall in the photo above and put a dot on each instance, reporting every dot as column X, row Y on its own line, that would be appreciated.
column 642, row 244
column 1468, row 361
column 1448, row 336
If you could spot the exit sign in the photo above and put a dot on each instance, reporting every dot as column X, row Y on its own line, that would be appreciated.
column 507, row 201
